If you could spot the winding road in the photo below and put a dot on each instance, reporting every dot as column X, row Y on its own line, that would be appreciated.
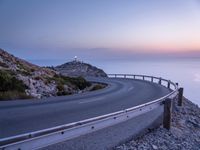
column 18, row 117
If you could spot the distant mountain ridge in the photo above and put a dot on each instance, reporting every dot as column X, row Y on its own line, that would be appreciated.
column 79, row 68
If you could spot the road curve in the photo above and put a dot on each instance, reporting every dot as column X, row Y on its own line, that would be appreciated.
column 18, row 117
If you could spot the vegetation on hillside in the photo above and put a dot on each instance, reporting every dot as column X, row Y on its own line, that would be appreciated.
column 97, row 87
column 79, row 83
column 19, row 78
column 11, row 87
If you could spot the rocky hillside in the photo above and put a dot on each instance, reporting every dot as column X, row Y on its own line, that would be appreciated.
column 35, row 81
column 78, row 68
column 184, row 134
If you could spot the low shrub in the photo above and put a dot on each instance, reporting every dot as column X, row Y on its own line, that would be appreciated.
column 24, row 72
column 60, row 87
column 11, row 95
column 38, row 78
column 11, row 87
column 32, row 69
column 97, row 87
column 10, row 83
column 60, row 93
column 79, row 82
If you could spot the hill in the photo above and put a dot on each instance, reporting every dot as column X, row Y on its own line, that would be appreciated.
column 21, row 79
column 77, row 68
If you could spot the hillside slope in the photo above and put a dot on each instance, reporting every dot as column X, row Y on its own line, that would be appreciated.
column 78, row 68
column 36, row 81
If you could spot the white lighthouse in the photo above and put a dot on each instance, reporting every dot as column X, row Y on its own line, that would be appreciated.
column 75, row 58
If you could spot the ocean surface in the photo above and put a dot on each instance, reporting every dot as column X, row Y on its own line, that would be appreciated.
column 184, row 71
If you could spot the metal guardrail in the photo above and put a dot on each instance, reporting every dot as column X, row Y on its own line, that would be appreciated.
column 42, row 138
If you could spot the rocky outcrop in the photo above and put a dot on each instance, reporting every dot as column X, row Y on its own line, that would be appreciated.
column 78, row 68
column 41, row 82
column 184, row 134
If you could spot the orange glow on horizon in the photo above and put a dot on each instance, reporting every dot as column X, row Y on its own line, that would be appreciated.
column 161, row 47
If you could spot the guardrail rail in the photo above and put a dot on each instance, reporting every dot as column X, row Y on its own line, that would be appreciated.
column 43, row 138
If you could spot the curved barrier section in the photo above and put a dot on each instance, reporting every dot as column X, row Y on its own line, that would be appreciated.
column 43, row 138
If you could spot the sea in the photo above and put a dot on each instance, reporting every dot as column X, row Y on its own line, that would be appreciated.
column 185, row 71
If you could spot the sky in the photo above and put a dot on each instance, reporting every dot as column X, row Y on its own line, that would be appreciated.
column 100, row 29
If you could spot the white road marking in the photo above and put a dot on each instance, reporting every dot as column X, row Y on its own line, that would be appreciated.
column 130, row 88
column 92, row 100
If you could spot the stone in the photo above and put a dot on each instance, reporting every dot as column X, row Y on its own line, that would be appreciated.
column 154, row 147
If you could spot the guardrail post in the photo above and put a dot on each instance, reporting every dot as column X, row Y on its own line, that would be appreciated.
column 115, row 76
column 151, row 79
column 124, row 76
column 159, row 81
column 133, row 76
column 143, row 77
column 168, row 84
column 167, row 113
column 180, row 96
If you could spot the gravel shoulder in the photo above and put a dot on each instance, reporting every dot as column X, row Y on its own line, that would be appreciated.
column 184, row 134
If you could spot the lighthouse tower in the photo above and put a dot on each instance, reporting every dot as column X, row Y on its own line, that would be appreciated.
column 75, row 58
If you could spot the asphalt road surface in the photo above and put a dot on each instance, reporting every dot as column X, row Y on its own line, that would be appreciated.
column 19, row 116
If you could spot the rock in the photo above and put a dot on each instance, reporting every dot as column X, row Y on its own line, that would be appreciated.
column 192, row 123
column 155, row 147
